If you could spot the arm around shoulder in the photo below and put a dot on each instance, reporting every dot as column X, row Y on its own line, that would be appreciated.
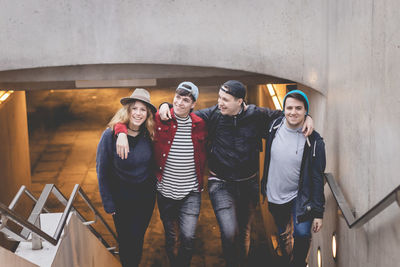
column 120, row 128
column 103, row 169
column 206, row 113
column 269, row 114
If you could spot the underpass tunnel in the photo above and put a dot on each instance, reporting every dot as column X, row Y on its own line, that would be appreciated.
column 92, row 54
column 65, row 125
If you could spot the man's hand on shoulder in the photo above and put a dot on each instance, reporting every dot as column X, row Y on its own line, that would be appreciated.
column 245, row 106
column 308, row 126
column 165, row 112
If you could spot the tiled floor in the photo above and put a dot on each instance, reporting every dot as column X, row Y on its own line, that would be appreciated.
column 65, row 127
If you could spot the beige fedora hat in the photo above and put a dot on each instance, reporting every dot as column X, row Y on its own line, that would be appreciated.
column 139, row 94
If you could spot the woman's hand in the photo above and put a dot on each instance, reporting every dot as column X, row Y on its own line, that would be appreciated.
column 122, row 146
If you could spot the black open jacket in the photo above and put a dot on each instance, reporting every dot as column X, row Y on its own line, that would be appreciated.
column 310, row 197
column 235, row 141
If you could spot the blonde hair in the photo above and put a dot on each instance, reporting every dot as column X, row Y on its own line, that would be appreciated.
column 122, row 116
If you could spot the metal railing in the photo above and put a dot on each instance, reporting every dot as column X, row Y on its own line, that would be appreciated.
column 347, row 212
column 32, row 224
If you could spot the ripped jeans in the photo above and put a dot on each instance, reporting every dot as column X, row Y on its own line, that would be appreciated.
column 234, row 206
column 294, row 237
column 179, row 218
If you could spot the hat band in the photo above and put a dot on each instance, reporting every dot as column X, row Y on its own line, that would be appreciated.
column 134, row 98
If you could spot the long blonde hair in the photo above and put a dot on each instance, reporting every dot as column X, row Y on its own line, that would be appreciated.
column 122, row 116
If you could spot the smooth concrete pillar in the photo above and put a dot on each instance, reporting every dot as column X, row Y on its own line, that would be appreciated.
column 14, row 152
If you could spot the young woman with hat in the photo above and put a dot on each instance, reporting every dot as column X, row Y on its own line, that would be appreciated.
column 127, row 187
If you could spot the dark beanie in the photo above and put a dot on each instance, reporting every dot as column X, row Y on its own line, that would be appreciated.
column 234, row 88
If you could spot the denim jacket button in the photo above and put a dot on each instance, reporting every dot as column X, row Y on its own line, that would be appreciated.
column 308, row 208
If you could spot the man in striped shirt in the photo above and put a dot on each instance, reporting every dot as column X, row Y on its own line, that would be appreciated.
column 180, row 154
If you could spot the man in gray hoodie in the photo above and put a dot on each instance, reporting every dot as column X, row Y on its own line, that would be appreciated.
column 293, row 179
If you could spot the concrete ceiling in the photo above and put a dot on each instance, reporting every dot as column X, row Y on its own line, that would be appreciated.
column 124, row 75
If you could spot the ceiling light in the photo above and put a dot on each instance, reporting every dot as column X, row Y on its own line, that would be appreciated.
column 271, row 89
column 4, row 95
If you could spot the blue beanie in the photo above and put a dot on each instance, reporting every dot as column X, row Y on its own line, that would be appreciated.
column 300, row 93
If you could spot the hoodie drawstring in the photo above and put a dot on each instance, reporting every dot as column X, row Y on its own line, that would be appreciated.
column 276, row 126
column 315, row 145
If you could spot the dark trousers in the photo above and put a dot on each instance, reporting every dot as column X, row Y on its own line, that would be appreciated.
column 295, row 251
column 134, row 207
column 234, row 205
column 179, row 218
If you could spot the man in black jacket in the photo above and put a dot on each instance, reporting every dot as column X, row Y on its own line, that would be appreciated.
column 235, row 132
column 293, row 179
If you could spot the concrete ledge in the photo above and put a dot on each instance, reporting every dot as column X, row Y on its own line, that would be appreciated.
column 7, row 258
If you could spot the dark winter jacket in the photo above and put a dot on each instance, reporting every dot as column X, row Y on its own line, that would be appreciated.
column 310, row 197
column 235, row 141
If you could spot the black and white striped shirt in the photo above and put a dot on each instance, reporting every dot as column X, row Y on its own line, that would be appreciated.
column 179, row 176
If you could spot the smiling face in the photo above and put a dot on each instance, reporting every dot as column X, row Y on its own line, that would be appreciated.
column 228, row 104
column 137, row 114
column 182, row 105
column 295, row 113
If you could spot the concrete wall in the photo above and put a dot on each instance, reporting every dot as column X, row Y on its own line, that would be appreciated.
column 273, row 37
column 14, row 152
column 9, row 259
column 362, row 129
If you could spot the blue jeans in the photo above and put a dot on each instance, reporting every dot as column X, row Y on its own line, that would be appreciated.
column 285, row 219
column 234, row 206
column 179, row 218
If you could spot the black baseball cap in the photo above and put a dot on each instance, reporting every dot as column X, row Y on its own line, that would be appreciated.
column 234, row 88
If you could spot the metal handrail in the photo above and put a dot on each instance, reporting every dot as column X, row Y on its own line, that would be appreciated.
column 24, row 223
column 20, row 192
column 29, row 224
column 9, row 233
column 348, row 215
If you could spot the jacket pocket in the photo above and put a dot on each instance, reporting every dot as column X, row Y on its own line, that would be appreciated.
column 162, row 132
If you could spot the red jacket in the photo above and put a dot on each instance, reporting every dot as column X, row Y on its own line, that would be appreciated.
column 164, row 136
